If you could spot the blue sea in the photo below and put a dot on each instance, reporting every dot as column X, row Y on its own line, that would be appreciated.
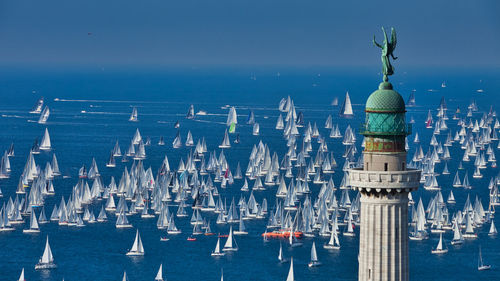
column 162, row 97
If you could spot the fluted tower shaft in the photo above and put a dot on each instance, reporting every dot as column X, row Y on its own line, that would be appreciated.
column 384, row 182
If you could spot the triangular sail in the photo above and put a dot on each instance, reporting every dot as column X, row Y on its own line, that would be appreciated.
column 159, row 275
column 314, row 255
column 290, row 272
column 346, row 110
column 47, row 254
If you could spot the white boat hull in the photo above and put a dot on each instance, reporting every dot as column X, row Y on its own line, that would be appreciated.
column 444, row 251
column 45, row 266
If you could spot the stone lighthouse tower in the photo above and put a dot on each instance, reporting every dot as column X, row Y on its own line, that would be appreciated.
column 384, row 183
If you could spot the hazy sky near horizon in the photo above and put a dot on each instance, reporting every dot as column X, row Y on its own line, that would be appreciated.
column 258, row 32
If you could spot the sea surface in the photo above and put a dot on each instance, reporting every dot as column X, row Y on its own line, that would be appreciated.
column 92, row 112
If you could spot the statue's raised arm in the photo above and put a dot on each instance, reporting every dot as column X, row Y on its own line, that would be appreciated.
column 375, row 43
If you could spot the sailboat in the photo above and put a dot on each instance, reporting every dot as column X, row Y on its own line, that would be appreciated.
column 44, row 116
column 456, row 181
column 334, row 243
column 411, row 100
column 493, row 230
column 161, row 142
column 451, row 198
column 293, row 240
column 232, row 117
column 229, row 242
column 37, row 108
column 242, row 229
column 256, row 129
column 314, row 257
column 47, row 260
column 457, row 235
column 133, row 115
column 480, row 265
column 439, row 249
column 428, row 121
column 111, row 162
column 346, row 109
column 350, row 229
column 280, row 254
column 45, row 143
column 137, row 248
column 177, row 143
column 121, row 221
column 159, row 275
column 34, row 228
column 190, row 113
column 290, row 272
column 217, row 252
column 21, row 277
column 225, row 142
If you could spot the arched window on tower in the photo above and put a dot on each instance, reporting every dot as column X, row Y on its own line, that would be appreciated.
column 385, row 166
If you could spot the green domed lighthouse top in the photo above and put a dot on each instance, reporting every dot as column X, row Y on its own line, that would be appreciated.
column 385, row 99
column 385, row 128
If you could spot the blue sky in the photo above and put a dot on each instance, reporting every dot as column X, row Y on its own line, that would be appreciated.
column 240, row 32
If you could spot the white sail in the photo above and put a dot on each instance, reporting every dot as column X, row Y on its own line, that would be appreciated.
column 137, row 248
column 45, row 143
column 346, row 109
column 217, row 251
column 290, row 272
column 47, row 259
column 493, row 229
column 314, row 255
column 225, row 142
column 256, row 129
column 159, row 275
column 133, row 115
column 440, row 243
column 229, row 242
column 280, row 254
column 44, row 116
column 217, row 247
column 232, row 117
column 21, row 278
column 33, row 221
column 36, row 110
column 177, row 143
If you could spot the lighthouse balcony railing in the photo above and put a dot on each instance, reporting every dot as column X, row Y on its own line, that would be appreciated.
column 407, row 179
column 382, row 130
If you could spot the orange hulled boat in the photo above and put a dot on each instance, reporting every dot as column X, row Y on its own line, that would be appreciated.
column 282, row 234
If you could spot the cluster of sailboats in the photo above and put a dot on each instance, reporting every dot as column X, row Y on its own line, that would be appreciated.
column 306, row 200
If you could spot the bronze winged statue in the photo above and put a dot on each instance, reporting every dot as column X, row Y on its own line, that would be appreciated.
column 387, row 50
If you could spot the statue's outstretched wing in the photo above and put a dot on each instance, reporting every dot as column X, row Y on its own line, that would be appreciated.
column 393, row 38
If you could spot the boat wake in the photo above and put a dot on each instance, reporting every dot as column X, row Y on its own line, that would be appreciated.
column 208, row 121
column 14, row 116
